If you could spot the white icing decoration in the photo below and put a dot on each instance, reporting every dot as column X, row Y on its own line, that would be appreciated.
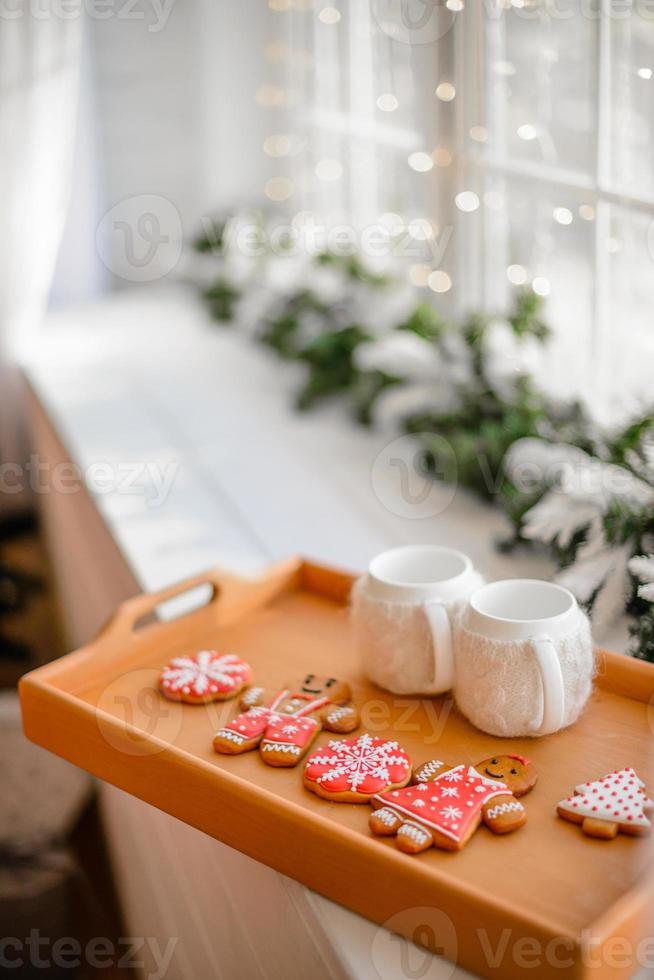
column 386, row 816
column 358, row 759
column 414, row 833
column 251, row 696
column 230, row 736
column 197, row 672
column 338, row 713
column 451, row 813
column 497, row 811
column 281, row 747
column 429, row 769
column 450, row 791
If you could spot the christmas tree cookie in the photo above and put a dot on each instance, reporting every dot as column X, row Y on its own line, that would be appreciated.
column 617, row 802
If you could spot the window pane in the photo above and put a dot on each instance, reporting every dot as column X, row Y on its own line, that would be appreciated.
column 549, row 248
column 631, row 80
column 628, row 338
column 542, row 85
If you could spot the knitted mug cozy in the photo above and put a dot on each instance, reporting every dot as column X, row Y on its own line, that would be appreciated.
column 498, row 684
column 394, row 641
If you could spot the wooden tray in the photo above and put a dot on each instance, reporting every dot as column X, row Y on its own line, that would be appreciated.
column 545, row 900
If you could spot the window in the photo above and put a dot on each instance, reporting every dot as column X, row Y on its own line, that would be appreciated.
column 516, row 137
column 562, row 98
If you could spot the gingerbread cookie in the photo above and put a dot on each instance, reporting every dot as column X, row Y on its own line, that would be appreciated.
column 446, row 804
column 198, row 678
column 615, row 803
column 285, row 724
column 352, row 770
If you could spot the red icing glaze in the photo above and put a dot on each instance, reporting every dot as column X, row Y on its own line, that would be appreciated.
column 290, row 730
column 279, row 728
column 364, row 764
column 450, row 803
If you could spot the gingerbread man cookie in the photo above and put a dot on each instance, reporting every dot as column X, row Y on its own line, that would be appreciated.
column 446, row 804
column 352, row 770
column 198, row 678
column 615, row 803
column 284, row 724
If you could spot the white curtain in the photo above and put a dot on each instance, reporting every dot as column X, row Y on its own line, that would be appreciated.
column 39, row 78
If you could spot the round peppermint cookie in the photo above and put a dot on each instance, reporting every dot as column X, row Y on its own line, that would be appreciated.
column 352, row 770
column 198, row 678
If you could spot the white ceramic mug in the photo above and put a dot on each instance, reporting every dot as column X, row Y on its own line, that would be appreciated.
column 525, row 658
column 402, row 614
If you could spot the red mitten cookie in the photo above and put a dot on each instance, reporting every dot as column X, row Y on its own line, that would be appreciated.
column 352, row 770
column 447, row 803
column 198, row 678
column 616, row 802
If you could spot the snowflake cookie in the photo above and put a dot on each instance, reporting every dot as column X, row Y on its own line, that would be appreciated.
column 197, row 678
column 617, row 802
column 351, row 770
column 284, row 724
column 446, row 804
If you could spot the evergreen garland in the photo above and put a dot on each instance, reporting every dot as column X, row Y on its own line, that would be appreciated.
column 482, row 420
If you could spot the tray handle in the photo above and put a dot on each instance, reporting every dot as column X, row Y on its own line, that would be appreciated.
column 227, row 589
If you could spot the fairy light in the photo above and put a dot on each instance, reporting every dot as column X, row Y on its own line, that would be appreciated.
column 279, row 5
column 419, row 274
column 278, row 188
column 270, row 95
column 420, row 161
column 455, row 5
column 442, row 156
column 587, row 212
column 527, row 132
column 329, row 169
column 276, row 51
column 277, row 145
column 329, row 15
column 541, row 286
column 467, row 201
column 517, row 274
column 645, row 73
column 563, row 216
column 387, row 102
column 445, row 91
column 439, row 281
column 479, row 134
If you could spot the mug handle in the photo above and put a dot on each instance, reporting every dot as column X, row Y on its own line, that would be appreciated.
column 441, row 632
column 549, row 666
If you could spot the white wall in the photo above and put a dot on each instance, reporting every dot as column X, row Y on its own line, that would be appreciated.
column 168, row 123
